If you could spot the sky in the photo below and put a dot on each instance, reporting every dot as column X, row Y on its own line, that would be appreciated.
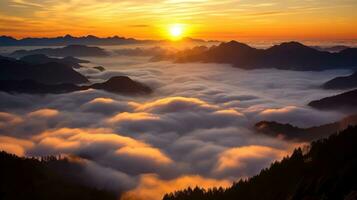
column 206, row 19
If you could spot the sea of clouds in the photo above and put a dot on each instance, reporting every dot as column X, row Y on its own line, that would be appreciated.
column 195, row 129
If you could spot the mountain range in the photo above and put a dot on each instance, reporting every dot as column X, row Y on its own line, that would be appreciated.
column 69, row 40
column 286, row 56
column 40, row 74
column 47, row 73
column 70, row 50
column 343, row 82
column 117, row 84
column 346, row 101
column 290, row 132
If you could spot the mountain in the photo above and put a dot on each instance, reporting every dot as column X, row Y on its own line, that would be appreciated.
column 345, row 101
column 325, row 170
column 99, row 68
column 45, row 178
column 71, row 50
column 287, row 56
column 119, row 84
column 332, row 49
column 69, row 40
column 343, row 82
column 34, row 87
column 37, row 59
column 153, row 51
column 289, row 132
column 122, row 84
column 47, row 73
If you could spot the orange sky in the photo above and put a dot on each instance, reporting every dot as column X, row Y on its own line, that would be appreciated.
column 206, row 19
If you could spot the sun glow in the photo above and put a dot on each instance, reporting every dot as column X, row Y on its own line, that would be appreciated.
column 176, row 31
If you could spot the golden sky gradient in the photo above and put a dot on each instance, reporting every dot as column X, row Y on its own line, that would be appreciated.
column 206, row 19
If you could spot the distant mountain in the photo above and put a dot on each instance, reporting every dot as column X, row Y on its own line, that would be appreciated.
column 99, row 68
column 71, row 50
column 47, row 73
column 344, row 82
column 288, row 56
column 69, row 40
column 346, row 101
column 47, row 178
column 37, row 59
column 153, row 51
column 325, row 170
column 122, row 84
column 332, row 49
column 119, row 84
column 289, row 132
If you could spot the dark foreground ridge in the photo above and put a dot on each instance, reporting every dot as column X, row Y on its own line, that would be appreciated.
column 326, row 171
column 290, row 132
column 346, row 101
column 46, row 178
column 287, row 56
column 118, row 84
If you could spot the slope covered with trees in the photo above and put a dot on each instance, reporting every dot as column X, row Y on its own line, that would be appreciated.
column 327, row 170
column 43, row 179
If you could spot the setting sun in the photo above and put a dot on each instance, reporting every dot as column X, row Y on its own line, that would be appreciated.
column 176, row 31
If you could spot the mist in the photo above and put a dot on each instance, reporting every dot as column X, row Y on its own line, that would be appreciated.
column 196, row 128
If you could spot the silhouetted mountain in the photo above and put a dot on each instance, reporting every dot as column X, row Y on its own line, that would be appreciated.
column 69, row 40
column 289, row 132
column 327, row 170
column 47, row 178
column 7, row 58
column 332, row 49
column 33, row 87
column 100, row 68
column 48, row 73
column 119, row 84
column 37, row 59
column 154, row 51
column 122, row 84
column 345, row 101
column 71, row 50
column 289, row 56
column 344, row 82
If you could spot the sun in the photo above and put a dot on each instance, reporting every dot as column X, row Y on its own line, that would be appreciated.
column 176, row 31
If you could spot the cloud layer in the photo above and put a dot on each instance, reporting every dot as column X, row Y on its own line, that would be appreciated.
column 195, row 129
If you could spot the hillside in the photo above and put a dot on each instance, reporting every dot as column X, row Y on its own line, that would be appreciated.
column 290, row 132
column 345, row 101
column 326, row 171
column 49, row 178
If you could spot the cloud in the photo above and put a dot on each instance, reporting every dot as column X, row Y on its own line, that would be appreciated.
column 283, row 110
column 105, row 106
column 8, row 119
column 190, row 130
column 240, row 160
column 139, row 116
column 102, row 146
column 14, row 145
column 152, row 187
column 173, row 104
column 43, row 113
